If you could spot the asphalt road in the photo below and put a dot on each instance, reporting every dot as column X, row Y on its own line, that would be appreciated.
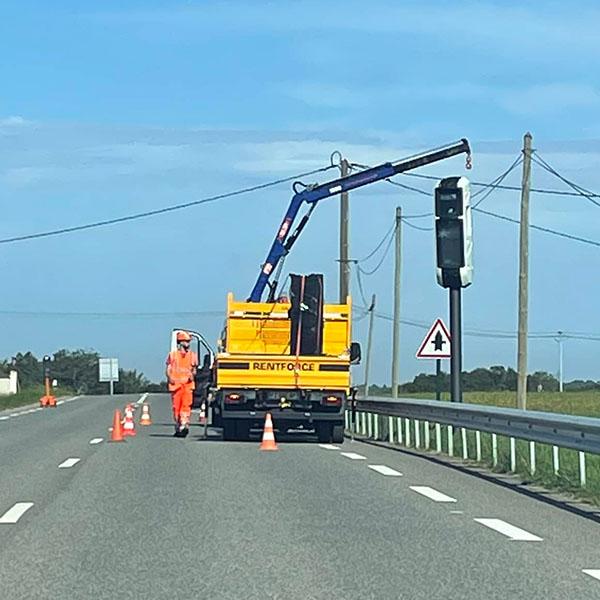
column 159, row 517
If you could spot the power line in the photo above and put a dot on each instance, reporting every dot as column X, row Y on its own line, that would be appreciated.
column 512, row 188
column 540, row 228
column 580, row 191
column 380, row 263
column 496, row 181
column 159, row 211
column 381, row 242
column 494, row 333
column 76, row 314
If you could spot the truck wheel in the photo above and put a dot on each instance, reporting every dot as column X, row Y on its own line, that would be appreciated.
column 324, row 432
column 229, row 430
column 338, row 434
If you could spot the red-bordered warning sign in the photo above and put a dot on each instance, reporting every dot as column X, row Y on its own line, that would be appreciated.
column 436, row 343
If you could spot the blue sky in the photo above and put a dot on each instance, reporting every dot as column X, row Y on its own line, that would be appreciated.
column 118, row 107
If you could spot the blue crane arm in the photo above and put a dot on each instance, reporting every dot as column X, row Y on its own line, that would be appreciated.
column 312, row 194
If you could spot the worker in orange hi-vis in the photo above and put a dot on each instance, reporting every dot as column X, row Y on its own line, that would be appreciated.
column 181, row 371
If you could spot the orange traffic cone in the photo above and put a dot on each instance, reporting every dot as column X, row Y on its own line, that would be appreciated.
column 129, row 425
column 117, row 429
column 268, row 438
column 145, row 418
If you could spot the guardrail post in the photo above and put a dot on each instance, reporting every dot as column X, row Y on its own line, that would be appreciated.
column 450, row 440
column 582, row 474
column 494, row 450
column 513, row 455
column 478, row 445
column 465, row 449
column 346, row 420
column 438, row 438
column 391, row 429
column 426, row 435
column 375, row 426
column 369, row 425
column 363, row 423
column 417, row 433
column 407, row 431
column 399, row 423
column 555, row 459
column 532, row 458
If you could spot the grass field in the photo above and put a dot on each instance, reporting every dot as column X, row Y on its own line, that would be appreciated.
column 567, row 479
column 570, row 403
column 29, row 396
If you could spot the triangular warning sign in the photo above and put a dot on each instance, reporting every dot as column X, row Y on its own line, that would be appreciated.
column 436, row 343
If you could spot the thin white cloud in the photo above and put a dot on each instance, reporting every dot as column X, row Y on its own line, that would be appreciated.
column 539, row 99
column 551, row 30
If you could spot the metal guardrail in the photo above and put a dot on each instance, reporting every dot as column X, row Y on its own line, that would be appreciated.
column 418, row 423
column 565, row 431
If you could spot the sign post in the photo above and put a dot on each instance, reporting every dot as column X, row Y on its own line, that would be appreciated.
column 436, row 345
column 108, row 369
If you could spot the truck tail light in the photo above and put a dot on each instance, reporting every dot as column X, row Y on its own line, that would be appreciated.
column 234, row 399
column 332, row 400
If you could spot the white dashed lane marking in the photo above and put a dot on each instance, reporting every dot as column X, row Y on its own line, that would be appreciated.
column 385, row 470
column 12, row 515
column 510, row 531
column 67, row 464
column 595, row 573
column 142, row 398
column 431, row 493
column 60, row 402
column 328, row 447
column 353, row 456
column 96, row 441
column 4, row 418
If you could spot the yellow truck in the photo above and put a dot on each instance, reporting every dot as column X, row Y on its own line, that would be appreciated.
column 262, row 365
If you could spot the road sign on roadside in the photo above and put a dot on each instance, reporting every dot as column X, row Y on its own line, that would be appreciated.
column 108, row 370
column 436, row 343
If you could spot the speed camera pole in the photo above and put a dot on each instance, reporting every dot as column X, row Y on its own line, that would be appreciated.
column 456, row 337
column 454, row 245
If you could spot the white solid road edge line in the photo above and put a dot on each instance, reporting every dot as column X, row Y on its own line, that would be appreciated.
column 431, row 493
column 67, row 464
column 12, row 515
column 328, row 447
column 389, row 472
column 353, row 456
column 142, row 398
column 96, row 441
column 595, row 573
column 514, row 533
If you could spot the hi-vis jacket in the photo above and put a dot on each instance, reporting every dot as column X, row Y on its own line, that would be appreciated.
column 180, row 368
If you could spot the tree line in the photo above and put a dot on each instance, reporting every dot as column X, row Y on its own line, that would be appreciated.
column 495, row 378
column 77, row 371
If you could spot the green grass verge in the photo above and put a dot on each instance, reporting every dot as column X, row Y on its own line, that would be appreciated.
column 29, row 396
column 567, row 479
column 570, row 403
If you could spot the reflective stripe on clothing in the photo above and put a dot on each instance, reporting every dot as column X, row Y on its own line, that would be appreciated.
column 180, row 368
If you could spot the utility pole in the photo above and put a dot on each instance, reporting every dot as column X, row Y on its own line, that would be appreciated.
column 396, row 326
column 560, row 361
column 369, row 344
column 344, row 238
column 524, row 276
